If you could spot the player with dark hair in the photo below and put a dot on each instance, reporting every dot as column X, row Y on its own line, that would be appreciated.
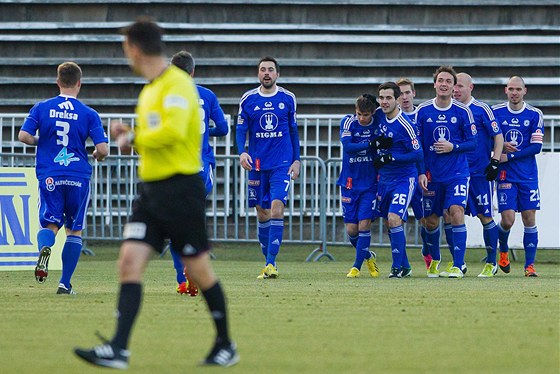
column 483, row 166
column 64, row 123
column 171, row 197
column 447, row 133
column 406, row 102
column 211, row 110
column 268, row 115
column 518, row 186
column 398, row 173
column 358, row 180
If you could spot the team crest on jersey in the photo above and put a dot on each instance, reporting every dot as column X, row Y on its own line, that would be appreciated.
column 252, row 194
column 49, row 182
column 526, row 123
column 441, row 133
column 502, row 197
column 453, row 119
column 281, row 106
column 268, row 121
column 415, row 144
column 514, row 136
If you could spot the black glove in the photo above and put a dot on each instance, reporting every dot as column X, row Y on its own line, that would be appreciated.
column 491, row 170
column 381, row 142
column 381, row 161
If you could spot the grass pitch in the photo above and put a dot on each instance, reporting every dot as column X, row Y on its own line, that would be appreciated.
column 310, row 320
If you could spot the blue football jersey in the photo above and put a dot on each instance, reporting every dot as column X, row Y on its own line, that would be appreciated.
column 521, row 128
column 454, row 124
column 357, row 171
column 211, row 110
column 486, row 128
column 406, row 149
column 272, row 126
column 64, row 124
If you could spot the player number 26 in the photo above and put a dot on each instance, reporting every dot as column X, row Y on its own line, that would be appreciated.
column 399, row 199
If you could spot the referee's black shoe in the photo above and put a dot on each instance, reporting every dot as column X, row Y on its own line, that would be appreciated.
column 105, row 355
column 223, row 355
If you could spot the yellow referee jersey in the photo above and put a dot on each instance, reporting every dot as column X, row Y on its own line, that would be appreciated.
column 168, row 137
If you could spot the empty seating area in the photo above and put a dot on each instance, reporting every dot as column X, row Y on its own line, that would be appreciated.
column 329, row 52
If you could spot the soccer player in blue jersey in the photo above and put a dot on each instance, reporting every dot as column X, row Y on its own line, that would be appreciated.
column 398, row 173
column 268, row 115
column 64, row 124
column 211, row 110
column 447, row 133
column 518, row 187
column 483, row 165
column 406, row 102
column 358, row 181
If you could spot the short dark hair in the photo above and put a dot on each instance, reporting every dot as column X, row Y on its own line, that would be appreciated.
column 146, row 35
column 390, row 86
column 446, row 69
column 68, row 74
column 366, row 103
column 271, row 59
column 183, row 60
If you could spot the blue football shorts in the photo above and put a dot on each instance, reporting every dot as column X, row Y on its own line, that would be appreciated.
column 64, row 201
column 267, row 185
column 441, row 195
column 394, row 197
column 357, row 205
column 207, row 174
column 480, row 198
column 519, row 196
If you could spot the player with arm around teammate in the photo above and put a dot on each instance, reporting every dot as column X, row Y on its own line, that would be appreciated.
column 483, row 165
column 518, row 187
column 406, row 103
column 267, row 114
column 358, row 180
column 210, row 110
column 397, row 173
column 64, row 123
column 447, row 132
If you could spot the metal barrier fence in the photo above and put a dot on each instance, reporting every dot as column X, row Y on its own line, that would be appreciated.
column 313, row 213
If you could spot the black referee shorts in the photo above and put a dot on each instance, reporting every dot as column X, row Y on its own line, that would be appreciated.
column 173, row 209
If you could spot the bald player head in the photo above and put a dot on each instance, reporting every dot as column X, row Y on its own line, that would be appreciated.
column 515, row 91
column 462, row 91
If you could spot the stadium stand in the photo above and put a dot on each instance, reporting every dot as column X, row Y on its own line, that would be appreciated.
column 329, row 53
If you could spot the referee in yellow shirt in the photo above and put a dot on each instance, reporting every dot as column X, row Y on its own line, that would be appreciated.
column 171, row 199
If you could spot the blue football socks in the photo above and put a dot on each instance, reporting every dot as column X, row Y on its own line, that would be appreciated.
column 490, row 233
column 70, row 256
column 274, row 240
column 530, row 241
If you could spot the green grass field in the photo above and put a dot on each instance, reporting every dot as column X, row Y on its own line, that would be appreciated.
column 310, row 320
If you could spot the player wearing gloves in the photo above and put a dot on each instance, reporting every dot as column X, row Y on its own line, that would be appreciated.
column 396, row 165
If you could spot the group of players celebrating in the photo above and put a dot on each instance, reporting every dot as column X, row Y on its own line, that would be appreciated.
column 443, row 158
